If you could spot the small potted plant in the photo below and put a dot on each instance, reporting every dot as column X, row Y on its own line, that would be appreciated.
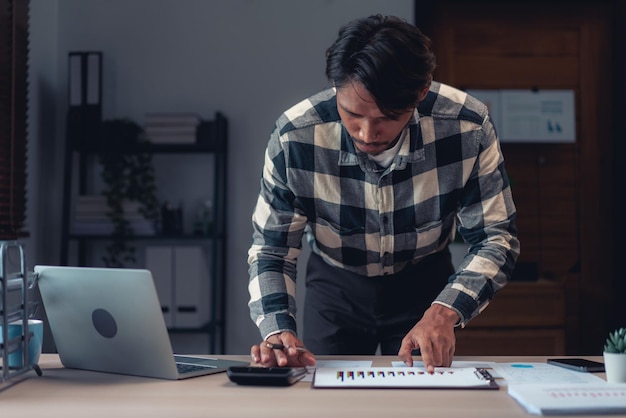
column 615, row 356
column 128, row 176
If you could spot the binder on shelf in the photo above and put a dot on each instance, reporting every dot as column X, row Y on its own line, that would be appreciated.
column 85, row 78
column 85, row 97
column 75, row 79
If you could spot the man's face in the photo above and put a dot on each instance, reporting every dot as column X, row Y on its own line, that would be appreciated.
column 372, row 132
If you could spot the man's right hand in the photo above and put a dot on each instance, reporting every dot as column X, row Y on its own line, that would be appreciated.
column 293, row 353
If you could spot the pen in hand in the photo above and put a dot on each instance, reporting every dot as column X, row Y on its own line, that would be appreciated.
column 277, row 346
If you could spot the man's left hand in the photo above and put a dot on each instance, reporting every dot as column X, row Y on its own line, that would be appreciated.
column 434, row 336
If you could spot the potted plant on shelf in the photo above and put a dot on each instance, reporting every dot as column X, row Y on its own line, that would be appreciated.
column 615, row 356
column 128, row 176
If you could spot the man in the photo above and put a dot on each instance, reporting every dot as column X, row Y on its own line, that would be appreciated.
column 379, row 172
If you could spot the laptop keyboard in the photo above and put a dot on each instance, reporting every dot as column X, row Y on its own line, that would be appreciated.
column 188, row 368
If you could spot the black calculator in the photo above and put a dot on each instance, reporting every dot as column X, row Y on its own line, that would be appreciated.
column 265, row 376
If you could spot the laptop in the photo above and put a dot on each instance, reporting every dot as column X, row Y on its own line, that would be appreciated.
column 110, row 320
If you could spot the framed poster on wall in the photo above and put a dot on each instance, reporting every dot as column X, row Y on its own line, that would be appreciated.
column 541, row 116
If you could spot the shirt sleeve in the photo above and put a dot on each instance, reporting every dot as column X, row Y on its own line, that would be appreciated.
column 486, row 221
column 276, row 243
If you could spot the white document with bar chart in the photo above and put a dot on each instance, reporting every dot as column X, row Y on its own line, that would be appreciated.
column 403, row 377
column 571, row 398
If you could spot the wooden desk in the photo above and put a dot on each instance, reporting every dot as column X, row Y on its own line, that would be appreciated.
column 69, row 393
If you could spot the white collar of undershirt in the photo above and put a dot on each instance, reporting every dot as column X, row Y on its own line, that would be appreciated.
column 385, row 158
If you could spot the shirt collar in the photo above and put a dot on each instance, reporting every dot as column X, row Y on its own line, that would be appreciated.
column 411, row 151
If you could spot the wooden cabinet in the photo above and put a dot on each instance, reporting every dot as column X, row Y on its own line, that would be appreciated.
column 563, row 192
column 524, row 318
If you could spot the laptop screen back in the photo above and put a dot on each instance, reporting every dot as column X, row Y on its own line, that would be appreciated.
column 107, row 320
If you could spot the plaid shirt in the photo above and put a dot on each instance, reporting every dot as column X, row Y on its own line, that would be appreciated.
column 448, row 174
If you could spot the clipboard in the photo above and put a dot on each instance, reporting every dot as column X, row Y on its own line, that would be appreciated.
column 404, row 377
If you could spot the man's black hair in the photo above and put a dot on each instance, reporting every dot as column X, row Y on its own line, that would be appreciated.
column 390, row 57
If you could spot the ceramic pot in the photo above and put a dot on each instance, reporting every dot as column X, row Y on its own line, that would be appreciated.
column 615, row 366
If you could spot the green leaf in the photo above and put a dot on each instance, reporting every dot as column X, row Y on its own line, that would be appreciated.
column 616, row 341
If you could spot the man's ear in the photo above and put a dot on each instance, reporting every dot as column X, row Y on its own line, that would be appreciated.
column 423, row 92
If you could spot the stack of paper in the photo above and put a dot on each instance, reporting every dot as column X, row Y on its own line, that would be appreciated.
column 172, row 128
column 91, row 217
column 571, row 399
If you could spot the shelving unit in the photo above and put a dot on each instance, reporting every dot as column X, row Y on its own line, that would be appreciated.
column 79, row 157
column 13, row 309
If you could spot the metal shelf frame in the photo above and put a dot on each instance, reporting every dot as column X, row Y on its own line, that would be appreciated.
column 15, row 283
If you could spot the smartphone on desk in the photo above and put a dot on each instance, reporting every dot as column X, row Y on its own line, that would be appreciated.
column 265, row 376
column 578, row 364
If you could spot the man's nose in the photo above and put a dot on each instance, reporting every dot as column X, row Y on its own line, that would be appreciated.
column 367, row 132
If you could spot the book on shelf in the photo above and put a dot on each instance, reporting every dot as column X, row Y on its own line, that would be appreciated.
column 139, row 227
column 91, row 216
column 92, row 199
column 172, row 118
column 172, row 128
column 103, row 216
column 168, row 138
column 90, row 204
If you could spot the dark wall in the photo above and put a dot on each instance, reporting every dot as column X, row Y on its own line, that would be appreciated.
column 619, row 106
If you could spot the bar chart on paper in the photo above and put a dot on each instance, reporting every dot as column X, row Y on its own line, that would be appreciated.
column 403, row 377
